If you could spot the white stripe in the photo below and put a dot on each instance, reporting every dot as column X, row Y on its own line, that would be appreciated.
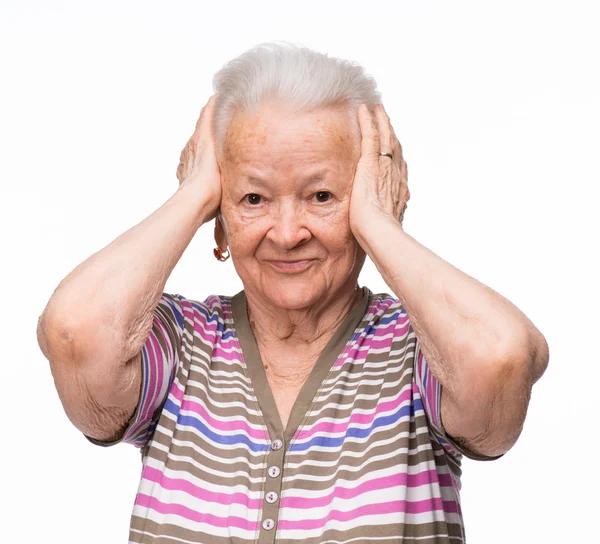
column 375, row 497
column 225, row 532
column 339, row 407
column 252, row 467
column 340, row 466
column 146, row 486
column 359, row 522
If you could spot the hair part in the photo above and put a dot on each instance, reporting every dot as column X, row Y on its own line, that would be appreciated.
column 299, row 77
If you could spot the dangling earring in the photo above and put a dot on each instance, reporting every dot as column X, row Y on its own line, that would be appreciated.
column 220, row 256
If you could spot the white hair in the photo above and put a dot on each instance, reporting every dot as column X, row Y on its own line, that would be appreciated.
column 297, row 76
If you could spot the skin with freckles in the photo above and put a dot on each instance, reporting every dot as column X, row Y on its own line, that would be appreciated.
column 306, row 187
column 286, row 187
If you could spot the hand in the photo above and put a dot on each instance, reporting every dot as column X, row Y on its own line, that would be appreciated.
column 380, row 184
column 198, row 161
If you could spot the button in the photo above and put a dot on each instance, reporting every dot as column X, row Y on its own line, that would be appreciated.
column 268, row 524
column 271, row 497
column 277, row 444
column 274, row 471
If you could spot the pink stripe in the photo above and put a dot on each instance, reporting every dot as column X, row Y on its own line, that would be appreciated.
column 157, row 362
column 148, row 401
column 154, row 377
column 228, row 344
column 212, row 301
column 218, row 351
column 401, row 480
column 151, row 345
column 381, row 305
column 330, row 428
column 181, row 484
column 360, row 348
column 378, row 343
column 403, row 327
column 378, row 307
column 431, row 391
column 383, row 330
column 185, row 512
column 202, row 320
column 207, row 336
column 218, row 426
column 392, row 507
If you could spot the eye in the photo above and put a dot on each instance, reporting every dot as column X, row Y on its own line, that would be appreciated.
column 322, row 196
column 253, row 199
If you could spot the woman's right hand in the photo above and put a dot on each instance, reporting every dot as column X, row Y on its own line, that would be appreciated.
column 198, row 164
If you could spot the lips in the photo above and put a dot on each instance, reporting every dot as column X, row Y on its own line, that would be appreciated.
column 291, row 266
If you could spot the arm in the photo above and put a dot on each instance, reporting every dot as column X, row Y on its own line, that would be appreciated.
column 99, row 317
column 482, row 349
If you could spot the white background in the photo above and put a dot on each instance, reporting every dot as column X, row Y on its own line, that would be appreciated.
column 497, row 106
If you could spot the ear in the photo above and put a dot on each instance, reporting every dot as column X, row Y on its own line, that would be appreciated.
column 220, row 236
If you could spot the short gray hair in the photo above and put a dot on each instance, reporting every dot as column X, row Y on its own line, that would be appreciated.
column 300, row 77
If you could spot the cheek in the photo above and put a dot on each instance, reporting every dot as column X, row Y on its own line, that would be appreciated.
column 334, row 233
column 243, row 236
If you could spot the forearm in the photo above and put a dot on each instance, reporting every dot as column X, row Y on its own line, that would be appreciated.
column 462, row 324
column 112, row 295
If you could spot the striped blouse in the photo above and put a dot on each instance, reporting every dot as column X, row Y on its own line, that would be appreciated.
column 364, row 457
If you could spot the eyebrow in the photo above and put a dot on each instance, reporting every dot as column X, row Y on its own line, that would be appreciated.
column 314, row 178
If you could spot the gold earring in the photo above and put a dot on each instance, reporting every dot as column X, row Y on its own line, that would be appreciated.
column 219, row 255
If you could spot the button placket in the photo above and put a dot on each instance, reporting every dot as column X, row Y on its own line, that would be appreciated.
column 273, row 483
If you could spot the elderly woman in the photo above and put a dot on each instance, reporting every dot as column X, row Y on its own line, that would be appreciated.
column 304, row 408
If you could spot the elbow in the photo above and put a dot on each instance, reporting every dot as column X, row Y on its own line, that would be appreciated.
column 488, row 415
column 539, row 356
column 78, row 348
column 522, row 360
column 55, row 339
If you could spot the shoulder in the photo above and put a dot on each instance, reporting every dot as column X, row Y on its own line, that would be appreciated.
column 385, row 307
column 214, row 312
column 387, row 320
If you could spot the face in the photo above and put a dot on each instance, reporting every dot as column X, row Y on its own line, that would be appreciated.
column 287, row 180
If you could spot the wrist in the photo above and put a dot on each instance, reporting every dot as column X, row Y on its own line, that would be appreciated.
column 205, row 205
column 373, row 225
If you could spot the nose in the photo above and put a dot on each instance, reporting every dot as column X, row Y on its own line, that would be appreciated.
column 288, row 229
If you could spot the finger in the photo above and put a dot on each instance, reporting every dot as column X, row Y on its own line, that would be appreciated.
column 384, row 128
column 204, row 122
column 369, row 146
column 401, row 218
column 396, row 145
column 389, row 141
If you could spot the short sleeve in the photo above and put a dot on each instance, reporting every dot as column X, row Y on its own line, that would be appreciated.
column 160, row 360
column 430, row 390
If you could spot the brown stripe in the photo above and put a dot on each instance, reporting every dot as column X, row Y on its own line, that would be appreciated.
column 438, row 533
column 398, row 366
column 143, row 529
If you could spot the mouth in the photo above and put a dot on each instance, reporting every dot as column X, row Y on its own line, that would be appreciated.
column 291, row 266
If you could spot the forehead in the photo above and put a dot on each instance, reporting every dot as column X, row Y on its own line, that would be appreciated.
column 276, row 136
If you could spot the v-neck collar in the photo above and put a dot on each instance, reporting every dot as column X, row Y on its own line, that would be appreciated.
column 258, row 377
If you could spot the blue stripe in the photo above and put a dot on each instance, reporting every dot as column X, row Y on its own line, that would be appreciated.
column 145, row 376
column 226, row 440
column 210, row 317
column 394, row 317
column 355, row 432
column 176, row 310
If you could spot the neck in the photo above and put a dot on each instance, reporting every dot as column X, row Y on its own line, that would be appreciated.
column 311, row 327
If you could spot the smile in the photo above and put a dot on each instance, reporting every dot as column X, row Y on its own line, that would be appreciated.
column 291, row 266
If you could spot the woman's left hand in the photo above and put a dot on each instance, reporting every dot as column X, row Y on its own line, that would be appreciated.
column 380, row 183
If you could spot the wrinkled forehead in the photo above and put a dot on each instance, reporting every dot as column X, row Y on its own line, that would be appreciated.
column 275, row 134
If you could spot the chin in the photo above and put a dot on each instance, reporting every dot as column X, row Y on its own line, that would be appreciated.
column 294, row 293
